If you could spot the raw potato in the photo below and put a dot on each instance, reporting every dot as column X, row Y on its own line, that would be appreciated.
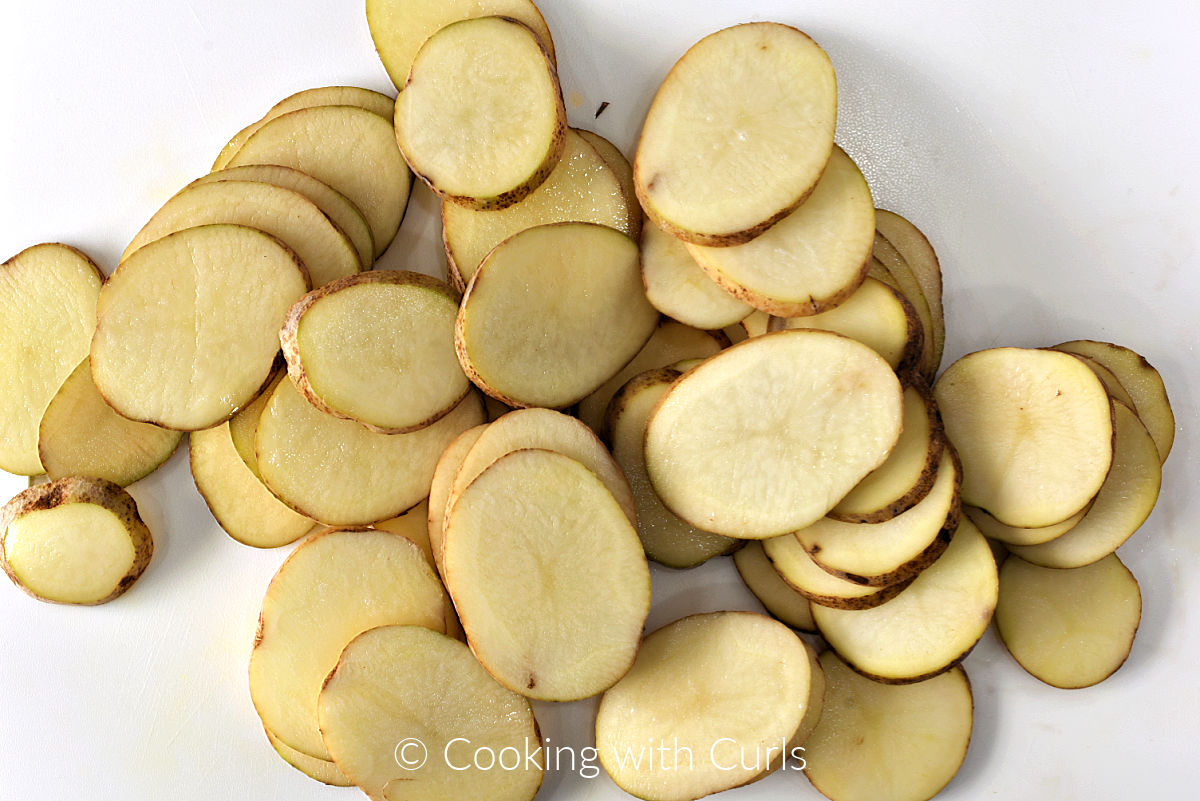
column 398, row 685
column 552, row 314
column 815, row 708
column 1069, row 628
column 439, row 491
column 621, row 167
column 905, row 281
column 876, row 741
column 679, row 288
column 481, row 117
column 533, row 545
column 332, row 588
column 243, row 426
column 47, row 316
column 738, row 134
column 730, row 448
column 723, row 692
column 377, row 348
column 913, row 247
column 74, row 541
column 796, row 567
column 783, row 602
column 189, row 325
column 321, row 770
column 993, row 529
column 80, row 435
column 1033, row 429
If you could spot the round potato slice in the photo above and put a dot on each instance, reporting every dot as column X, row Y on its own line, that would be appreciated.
column 553, row 313
column 738, row 134
column 621, row 167
column 439, row 490
column 481, row 117
column 321, row 770
column 724, row 692
column 783, row 602
column 535, row 535
column 47, row 317
column 1033, row 429
column 679, row 288
column 74, row 541
column 189, row 325
column 767, row 436
column 796, row 567
column 993, row 529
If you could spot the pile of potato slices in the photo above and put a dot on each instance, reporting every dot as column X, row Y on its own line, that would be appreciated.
column 720, row 349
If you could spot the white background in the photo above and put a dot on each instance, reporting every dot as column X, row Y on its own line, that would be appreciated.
column 1048, row 149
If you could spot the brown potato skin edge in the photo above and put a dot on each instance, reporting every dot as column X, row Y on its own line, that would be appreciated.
column 883, row 595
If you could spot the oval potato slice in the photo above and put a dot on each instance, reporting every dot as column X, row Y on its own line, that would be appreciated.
column 905, row 281
column 439, row 490
column 916, row 251
column 993, row 529
column 679, row 288
column 796, row 567
column 779, row 598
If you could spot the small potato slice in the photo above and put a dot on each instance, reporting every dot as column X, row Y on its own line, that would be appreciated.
column 332, row 587
column 350, row 149
column 913, row 247
column 667, row 539
column 930, row 626
column 993, row 529
column 621, row 167
column 189, row 325
column 553, row 313
column 481, row 117
column 1123, row 503
column 1069, row 628
column 74, row 541
column 783, row 602
column 812, row 259
column 47, row 316
column 403, row 695
column 796, row 567
column 679, row 288
column 1033, row 429
column 535, row 534
column 875, row 741
column 293, row 219
column 378, row 348
column 439, row 491
column 321, row 770
column 721, row 692
column 907, row 284
column 80, row 435
column 738, row 134
column 767, row 436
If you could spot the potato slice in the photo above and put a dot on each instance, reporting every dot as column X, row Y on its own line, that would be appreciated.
column 243, row 426
column 439, row 491
column 783, row 602
column 679, row 288
column 1116, row 389
column 581, row 188
column 902, row 743
column 907, row 284
column 1033, row 429
column 481, row 117
column 346, row 147
column 333, row 587
column 815, row 708
column 340, row 473
column 413, row 524
column 684, row 694
column 796, row 567
column 74, row 541
column 812, row 259
column 321, row 770
column 666, row 539
column 47, row 316
column 553, row 313
column 535, row 534
column 400, row 27
column 1125, row 500
column 738, row 134
column 377, row 348
column 930, row 626
column 1069, row 628
column 293, row 219
column 621, row 167
column 914, row 249
column 767, row 436
column 189, row 325
column 993, row 529
column 1143, row 383
column 403, row 695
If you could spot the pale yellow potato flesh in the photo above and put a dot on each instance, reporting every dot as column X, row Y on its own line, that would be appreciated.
column 47, row 316
column 439, row 490
column 930, row 626
column 1069, row 628
column 796, row 567
column 783, row 602
column 905, row 281
column 398, row 686
column 481, row 117
column 621, row 167
column 414, row 525
column 553, row 313
column 333, row 587
column 1116, row 389
column 914, row 248
column 189, row 325
column 679, row 288
column 815, row 707
column 290, row 217
column 321, row 770
column 738, row 133
column 899, row 742
column 340, row 473
column 243, row 426
column 350, row 149
column 767, row 436
column 81, row 435
column 1033, row 429
column 535, row 534
column 993, row 529
column 725, row 692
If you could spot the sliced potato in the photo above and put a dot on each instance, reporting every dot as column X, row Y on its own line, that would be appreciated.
column 74, row 541
column 738, row 134
column 321, row 770
column 914, row 248
column 1116, row 389
column 1069, row 628
column 413, row 524
column 243, row 426
column 907, row 284
column 767, row 436
column 439, row 491
column 796, row 567
column 621, row 167
column 783, row 602
column 679, row 288
column 815, row 708
column 993, row 529
column 47, row 316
